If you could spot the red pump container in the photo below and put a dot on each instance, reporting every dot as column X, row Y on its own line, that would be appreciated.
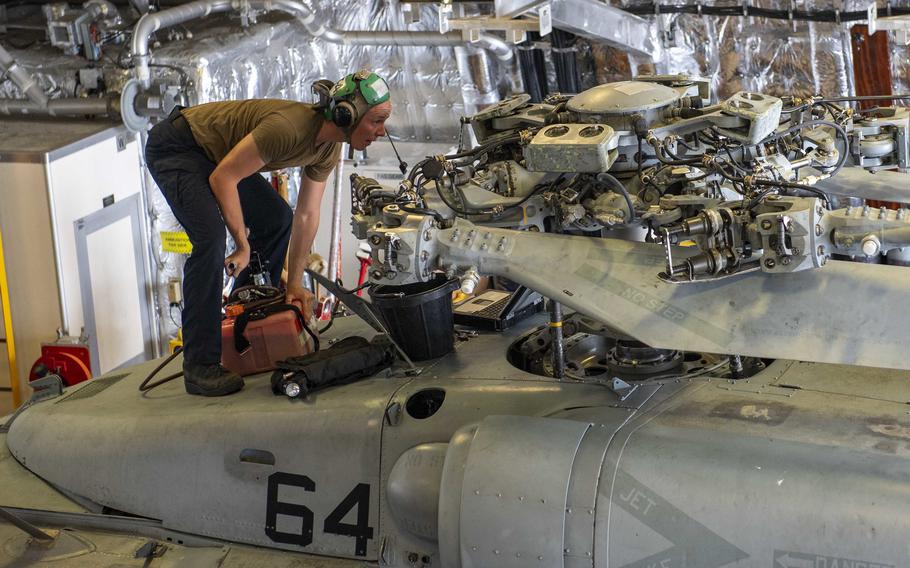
column 273, row 338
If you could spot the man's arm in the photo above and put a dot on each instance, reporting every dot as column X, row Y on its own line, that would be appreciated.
column 306, row 221
column 242, row 161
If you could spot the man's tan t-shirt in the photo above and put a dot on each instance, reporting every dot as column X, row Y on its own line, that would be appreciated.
column 284, row 131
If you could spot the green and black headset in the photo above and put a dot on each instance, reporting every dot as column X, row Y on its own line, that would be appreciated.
column 345, row 102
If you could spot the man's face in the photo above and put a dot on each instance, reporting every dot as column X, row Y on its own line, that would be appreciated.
column 372, row 126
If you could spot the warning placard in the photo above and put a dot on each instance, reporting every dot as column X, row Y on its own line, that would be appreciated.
column 176, row 241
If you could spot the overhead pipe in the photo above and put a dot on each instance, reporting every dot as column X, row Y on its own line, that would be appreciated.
column 498, row 47
column 108, row 106
column 38, row 103
column 151, row 22
column 491, row 43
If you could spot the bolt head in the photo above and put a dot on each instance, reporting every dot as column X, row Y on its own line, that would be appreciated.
column 870, row 247
column 766, row 224
column 770, row 263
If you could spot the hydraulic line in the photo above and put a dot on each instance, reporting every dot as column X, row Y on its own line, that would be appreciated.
column 145, row 386
column 616, row 185
column 556, row 338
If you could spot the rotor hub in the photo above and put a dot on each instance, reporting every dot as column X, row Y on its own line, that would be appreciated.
column 629, row 357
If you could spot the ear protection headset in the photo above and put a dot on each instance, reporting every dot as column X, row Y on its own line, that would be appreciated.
column 350, row 98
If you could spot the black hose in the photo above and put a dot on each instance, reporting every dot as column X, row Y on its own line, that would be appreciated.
column 416, row 169
column 733, row 161
column 378, row 193
column 335, row 309
column 639, row 158
column 659, row 148
column 145, row 386
column 612, row 181
column 484, row 147
column 421, row 211
column 791, row 185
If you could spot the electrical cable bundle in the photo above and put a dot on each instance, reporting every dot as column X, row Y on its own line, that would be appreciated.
column 533, row 68
column 563, row 48
column 746, row 10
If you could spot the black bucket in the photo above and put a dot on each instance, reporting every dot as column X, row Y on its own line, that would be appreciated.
column 418, row 316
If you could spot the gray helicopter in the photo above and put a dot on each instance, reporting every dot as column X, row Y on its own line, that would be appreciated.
column 727, row 387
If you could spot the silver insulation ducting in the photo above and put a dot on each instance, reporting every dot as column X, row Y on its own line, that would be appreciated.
column 152, row 22
column 479, row 87
column 38, row 103
column 900, row 57
column 744, row 53
column 22, row 78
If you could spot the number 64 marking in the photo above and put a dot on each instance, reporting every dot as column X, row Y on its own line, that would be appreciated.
column 358, row 497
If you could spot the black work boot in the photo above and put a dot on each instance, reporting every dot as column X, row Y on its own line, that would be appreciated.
column 210, row 380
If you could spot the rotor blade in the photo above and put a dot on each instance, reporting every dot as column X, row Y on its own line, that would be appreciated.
column 844, row 312
column 857, row 182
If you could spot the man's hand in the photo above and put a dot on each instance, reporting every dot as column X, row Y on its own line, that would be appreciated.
column 237, row 261
column 306, row 220
column 242, row 161
column 305, row 297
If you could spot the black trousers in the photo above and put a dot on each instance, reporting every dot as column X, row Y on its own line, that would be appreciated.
column 181, row 169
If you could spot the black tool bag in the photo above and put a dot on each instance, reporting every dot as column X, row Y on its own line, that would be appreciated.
column 344, row 362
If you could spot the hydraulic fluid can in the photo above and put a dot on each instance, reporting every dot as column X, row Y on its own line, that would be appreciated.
column 274, row 337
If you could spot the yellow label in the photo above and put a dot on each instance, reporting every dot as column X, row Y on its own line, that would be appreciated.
column 176, row 241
